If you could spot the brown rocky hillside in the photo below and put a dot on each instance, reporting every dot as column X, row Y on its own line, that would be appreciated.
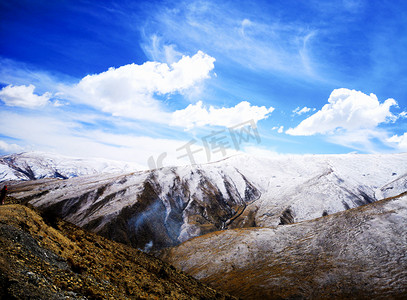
column 46, row 258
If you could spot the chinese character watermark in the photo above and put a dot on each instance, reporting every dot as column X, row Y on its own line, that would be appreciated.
column 156, row 164
column 216, row 142
column 242, row 132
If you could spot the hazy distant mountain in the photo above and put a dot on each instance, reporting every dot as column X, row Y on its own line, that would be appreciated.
column 164, row 207
column 37, row 165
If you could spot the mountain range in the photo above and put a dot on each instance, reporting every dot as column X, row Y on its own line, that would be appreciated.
column 163, row 207
column 299, row 226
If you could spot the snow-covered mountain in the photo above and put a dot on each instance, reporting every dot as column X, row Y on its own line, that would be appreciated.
column 37, row 165
column 164, row 207
column 149, row 209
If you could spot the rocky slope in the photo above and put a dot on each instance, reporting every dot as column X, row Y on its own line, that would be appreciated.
column 356, row 254
column 155, row 209
column 51, row 259
column 148, row 210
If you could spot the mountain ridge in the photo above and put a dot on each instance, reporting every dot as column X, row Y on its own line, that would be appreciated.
column 241, row 191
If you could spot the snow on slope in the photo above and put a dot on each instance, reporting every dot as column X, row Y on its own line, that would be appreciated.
column 309, row 186
column 167, row 206
column 36, row 165
column 355, row 254
column 161, row 207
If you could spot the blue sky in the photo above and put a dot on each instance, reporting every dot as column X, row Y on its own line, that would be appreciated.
column 131, row 80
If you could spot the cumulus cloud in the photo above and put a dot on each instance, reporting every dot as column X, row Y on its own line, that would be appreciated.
column 399, row 141
column 279, row 129
column 196, row 115
column 347, row 110
column 299, row 111
column 140, row 91
column 23, row 96
column 132, row 90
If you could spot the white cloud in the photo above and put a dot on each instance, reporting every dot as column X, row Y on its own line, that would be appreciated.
column 281, row 129
column 9, row 148
column 403, row 114
column 399, row 141
column 196, row 115
column 299, row 111
column 131, row 90
column 136, row 92
column 347, row 110
column 23, row 96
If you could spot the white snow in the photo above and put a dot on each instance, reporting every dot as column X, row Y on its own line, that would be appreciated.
column 312, row 184
column 47, row 165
